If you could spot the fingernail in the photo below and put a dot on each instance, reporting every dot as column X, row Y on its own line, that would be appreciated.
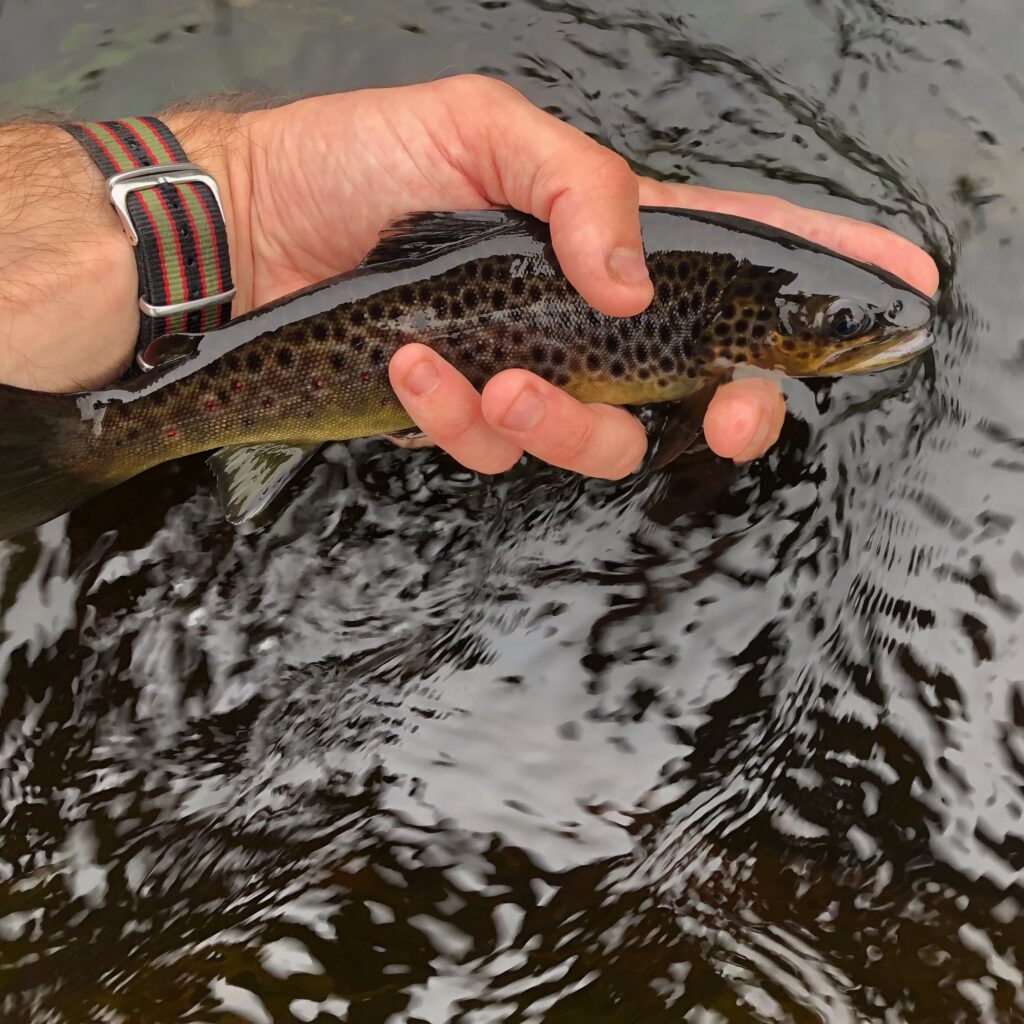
column 524, row 412
column 422, row 378
column 628, row 266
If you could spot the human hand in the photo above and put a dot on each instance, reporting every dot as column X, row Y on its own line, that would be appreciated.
column 325, row 175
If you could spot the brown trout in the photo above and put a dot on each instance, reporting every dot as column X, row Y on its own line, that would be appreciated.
column 484, row 290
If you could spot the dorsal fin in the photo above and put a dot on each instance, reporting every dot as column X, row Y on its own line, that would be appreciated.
column 420, row 235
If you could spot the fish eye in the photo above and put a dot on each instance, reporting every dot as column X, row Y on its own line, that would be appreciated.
column 846, row 320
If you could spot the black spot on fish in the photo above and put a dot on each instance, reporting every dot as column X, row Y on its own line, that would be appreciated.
column 538, row 353
column 319, row 330
column 712, row 290
column 376, row 310
column 643, row 373
column 498, row 354
column 498, row 298
column 254, row 362
column 729, row 311
column 664, row 292
column 744, row 289
column 557, row 357
column 456, row 308
column 376, row 355
column 682, row 270
column 641, row 353
column 742, row 326
column 611, row 343
column 231, row 362
column 722, row 329
column 562, row 378
column 486, row 272
column 618, row 368
column 210, row 370
column 222, row 395
column 535, row 293
column 702, row 275
column 406, row 293
column 469, row 297
column 683, row 306
column 517, row 335
column 764, row 314
column 159, row 398
column 441, row 305
column 665, row 364
column 357, row 317
column 788, row 344
column 758, row 331
column 284, row 357
column 518, row 286
column 664, row 333
column 593, row 361
column 358, row 343
column 424, row 292
column 337, row 360
column 740, row 357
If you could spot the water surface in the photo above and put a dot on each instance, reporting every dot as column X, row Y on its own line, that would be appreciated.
column 709, row 745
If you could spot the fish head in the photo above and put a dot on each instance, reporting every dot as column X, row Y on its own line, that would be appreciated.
column 773, row 319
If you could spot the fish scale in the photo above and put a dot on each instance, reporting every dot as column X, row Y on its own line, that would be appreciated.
column 485, row 290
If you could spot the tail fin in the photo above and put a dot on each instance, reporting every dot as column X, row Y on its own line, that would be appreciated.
column 44, row 459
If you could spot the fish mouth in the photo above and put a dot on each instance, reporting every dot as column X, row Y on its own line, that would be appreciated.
column 879, row 355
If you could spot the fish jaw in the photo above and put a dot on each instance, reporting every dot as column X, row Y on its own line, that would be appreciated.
column 879, row 355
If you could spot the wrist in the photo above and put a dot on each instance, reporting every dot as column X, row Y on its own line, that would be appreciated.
column 68, row 313
column 220, row 143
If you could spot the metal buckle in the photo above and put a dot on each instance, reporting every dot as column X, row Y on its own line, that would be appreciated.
column 120, row 186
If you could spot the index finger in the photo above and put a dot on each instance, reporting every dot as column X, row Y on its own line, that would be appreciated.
column 857, row 239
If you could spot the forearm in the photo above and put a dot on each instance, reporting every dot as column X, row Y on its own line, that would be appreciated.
column 69, row 312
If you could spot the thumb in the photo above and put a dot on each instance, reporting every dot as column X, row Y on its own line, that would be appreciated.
column 522, row 157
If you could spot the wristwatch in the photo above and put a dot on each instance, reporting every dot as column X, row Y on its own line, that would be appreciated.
column 171, row 212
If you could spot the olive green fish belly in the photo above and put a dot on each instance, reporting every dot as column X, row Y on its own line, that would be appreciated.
column 327, row 378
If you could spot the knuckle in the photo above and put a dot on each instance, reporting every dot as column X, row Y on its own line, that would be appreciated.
column 610, row 169
column 576, row 444
column 484, row 85
column 454, row 425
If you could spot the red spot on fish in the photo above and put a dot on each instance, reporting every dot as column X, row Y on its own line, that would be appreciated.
column 268, row 402
column 236, row 385
column 210, row 405
column 318, row 382
column 171, row 432
column 365, row 375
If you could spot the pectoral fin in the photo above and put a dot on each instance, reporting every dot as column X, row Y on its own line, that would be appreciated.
column 683, row 428
column 250, row 476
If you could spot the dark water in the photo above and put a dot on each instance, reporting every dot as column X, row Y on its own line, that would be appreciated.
column 708, row 745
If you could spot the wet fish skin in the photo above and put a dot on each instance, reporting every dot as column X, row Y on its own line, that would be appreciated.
column 484, row 290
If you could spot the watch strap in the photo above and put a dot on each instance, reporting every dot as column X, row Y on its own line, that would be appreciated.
column 171, row 212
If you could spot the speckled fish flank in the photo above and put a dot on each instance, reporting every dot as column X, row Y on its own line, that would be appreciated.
column 485, row 291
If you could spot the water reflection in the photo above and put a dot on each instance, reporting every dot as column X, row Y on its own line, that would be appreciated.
column 711, row 744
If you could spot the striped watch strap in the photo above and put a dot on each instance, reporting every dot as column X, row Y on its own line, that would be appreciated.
column 182, row 248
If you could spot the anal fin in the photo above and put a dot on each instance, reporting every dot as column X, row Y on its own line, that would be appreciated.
column 250, row 476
